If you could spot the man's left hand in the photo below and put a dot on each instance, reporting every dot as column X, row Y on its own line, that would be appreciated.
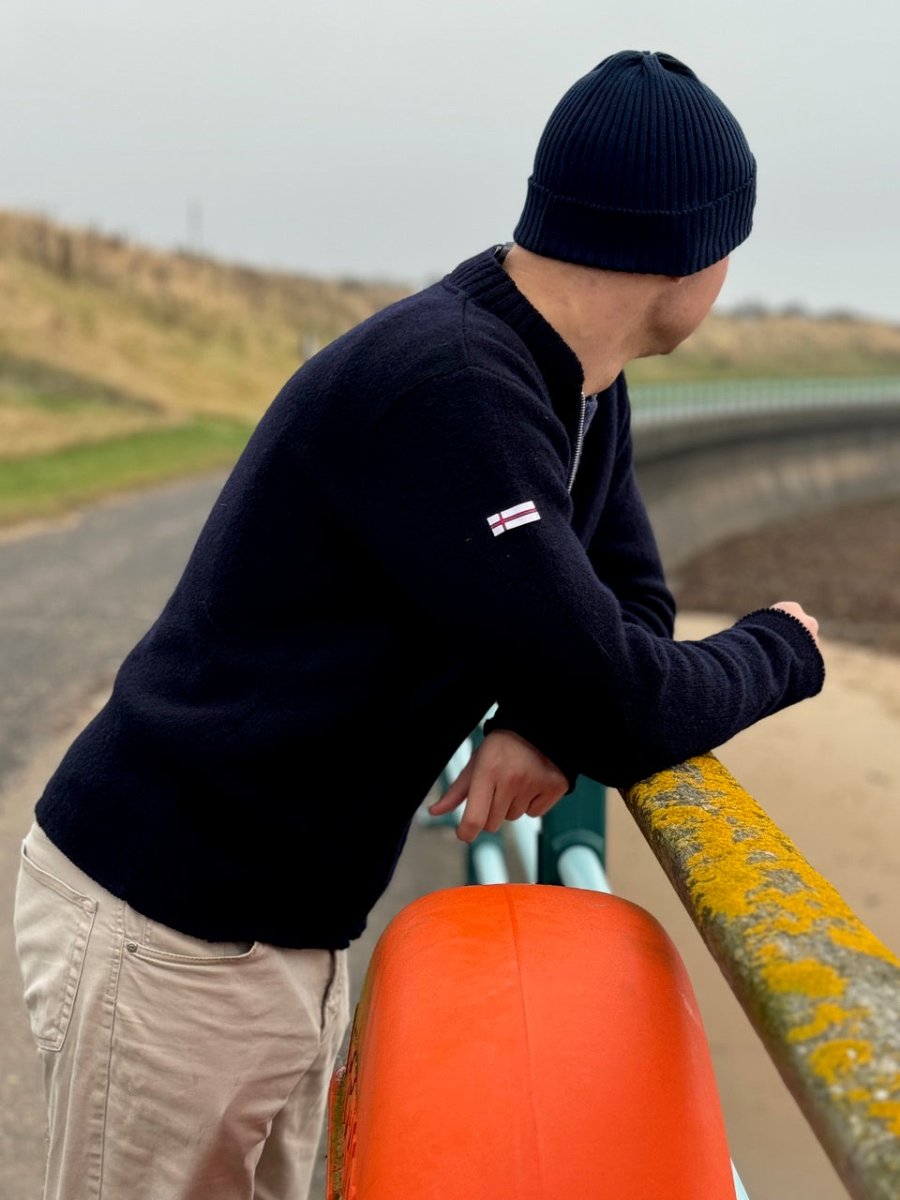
column 504, row 779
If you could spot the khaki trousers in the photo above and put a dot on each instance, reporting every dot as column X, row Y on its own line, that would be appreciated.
column 174, row 1068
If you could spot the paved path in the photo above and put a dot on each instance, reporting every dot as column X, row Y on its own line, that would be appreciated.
column 74, row 597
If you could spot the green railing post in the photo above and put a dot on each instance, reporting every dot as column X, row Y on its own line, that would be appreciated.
column 577, row 820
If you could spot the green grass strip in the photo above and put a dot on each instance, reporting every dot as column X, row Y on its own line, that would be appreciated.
column 50, row 484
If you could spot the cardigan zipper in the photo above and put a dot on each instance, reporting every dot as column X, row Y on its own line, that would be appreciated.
column 579, row 439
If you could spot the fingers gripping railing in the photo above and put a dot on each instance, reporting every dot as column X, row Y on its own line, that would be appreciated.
column 821, row 990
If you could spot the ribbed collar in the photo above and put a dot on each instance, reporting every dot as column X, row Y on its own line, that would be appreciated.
column 483, row 278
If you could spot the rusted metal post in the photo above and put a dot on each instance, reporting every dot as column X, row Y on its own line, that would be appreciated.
column 821, row 990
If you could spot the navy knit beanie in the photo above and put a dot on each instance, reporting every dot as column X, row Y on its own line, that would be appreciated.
column 640, row 168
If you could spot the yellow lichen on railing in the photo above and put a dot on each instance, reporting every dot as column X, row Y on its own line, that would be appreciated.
column 822, row 991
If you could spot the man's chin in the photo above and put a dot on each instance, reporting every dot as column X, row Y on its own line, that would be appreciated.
column 661, row 347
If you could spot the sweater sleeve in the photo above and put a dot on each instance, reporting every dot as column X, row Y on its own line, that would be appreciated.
column 463, row 500
column 625, row 557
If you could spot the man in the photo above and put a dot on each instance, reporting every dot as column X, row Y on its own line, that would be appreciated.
column 438, row 511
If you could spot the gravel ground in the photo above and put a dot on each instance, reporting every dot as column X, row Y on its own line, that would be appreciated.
column 843, row 566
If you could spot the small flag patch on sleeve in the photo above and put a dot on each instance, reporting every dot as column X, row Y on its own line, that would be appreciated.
column 509, row 518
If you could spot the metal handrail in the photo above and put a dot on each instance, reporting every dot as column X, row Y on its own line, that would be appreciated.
column 656, row 404
column 822, row 992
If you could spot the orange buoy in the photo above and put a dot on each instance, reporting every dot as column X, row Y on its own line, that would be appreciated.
column 527, row 1042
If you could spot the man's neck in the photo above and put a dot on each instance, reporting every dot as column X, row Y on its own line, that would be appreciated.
column 599, row 314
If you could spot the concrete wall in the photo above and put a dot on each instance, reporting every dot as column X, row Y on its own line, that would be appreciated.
column 706, row 480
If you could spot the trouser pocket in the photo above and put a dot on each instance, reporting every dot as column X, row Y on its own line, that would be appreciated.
column 152, row 941
column 52, row 923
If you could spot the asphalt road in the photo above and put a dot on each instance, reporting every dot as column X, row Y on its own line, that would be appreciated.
column 75, row 595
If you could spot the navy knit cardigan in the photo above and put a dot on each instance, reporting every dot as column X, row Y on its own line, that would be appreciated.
column 364, row 588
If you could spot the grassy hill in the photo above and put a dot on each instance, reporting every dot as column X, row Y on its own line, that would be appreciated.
column 776, row 346
column 120, row 364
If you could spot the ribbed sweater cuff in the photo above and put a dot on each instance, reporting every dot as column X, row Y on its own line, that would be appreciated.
column 812, row 665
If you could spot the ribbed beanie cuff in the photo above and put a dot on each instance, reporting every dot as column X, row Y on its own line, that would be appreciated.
column 640, row 168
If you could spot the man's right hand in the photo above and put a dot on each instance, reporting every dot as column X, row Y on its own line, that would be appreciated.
column 505, row 778
column 790, row 606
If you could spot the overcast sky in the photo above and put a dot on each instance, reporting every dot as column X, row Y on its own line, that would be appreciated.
column 393, row 138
